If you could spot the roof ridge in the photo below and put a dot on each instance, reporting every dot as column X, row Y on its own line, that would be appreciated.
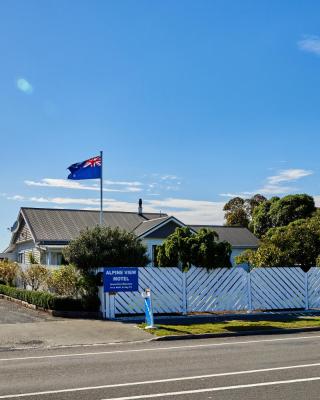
column 155, row 219
column 84, row 210
column 221, row 226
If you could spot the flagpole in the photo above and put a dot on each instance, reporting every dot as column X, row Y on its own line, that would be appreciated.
column 101, row 189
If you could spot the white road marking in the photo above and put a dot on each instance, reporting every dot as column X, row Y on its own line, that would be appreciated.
column 216, row 389
column 195, row 346
column 185, row 378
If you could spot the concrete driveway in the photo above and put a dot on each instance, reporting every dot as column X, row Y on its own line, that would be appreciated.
column 21, row 327
column 12, row 313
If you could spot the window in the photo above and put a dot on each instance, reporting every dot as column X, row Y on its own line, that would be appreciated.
column 21, row 258
column 59, row 258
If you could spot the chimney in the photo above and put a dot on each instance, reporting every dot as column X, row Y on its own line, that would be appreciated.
column 140, row 207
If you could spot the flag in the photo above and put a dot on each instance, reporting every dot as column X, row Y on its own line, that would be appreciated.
column 88, row 169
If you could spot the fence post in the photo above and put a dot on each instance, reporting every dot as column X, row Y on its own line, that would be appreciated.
column 110, row 306
column 249, row 291
column 184, row 294
column 306, row 290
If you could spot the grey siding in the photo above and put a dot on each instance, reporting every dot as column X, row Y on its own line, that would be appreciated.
column 23, row 233
column 25, row 249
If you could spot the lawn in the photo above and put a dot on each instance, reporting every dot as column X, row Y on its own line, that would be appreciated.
column 234, row 326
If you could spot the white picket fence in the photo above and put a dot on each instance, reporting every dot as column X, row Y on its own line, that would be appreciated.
column 223, row 289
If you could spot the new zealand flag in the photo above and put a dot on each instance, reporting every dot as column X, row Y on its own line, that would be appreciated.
column 88, row 169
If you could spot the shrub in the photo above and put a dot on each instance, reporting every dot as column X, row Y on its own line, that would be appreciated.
column 65, row 281
column 35, row 276
column 9, row 272
column 32, row 259
column 48, row 300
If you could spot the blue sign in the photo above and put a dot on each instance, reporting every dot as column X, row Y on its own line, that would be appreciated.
column 120, row 279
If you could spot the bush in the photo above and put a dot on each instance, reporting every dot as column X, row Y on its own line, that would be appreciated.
column 47, row 300
column 65, row 281
column 35, row 276
column 9, row 272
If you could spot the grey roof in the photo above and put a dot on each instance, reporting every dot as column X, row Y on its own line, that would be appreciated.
column 237, row 236
column 148, row 225
column 61, row 225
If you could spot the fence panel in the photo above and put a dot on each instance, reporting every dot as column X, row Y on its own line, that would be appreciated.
column 277, row 288
column 314, row 287
column 220, row 289
column 166, row 286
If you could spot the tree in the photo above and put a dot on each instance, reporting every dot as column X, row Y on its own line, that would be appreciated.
column 278, row 212
column 239, row 211
column 176, row 250
column 297, row 244
column 291, row 208
column 235, row 212
column 261, row 219
column 184, row 248
column 104, row 246
column 207, row 252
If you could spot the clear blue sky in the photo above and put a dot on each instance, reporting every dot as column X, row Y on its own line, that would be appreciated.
column 191, row 101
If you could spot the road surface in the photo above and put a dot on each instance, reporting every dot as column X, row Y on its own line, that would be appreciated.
column 252, row 367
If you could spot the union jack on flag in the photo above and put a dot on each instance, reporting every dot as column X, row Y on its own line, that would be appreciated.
column 88, row 169
column 93, row 162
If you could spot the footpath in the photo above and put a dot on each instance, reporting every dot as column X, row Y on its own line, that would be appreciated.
column 25, row 328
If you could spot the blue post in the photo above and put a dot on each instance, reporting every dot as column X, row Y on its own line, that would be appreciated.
column 148, row 309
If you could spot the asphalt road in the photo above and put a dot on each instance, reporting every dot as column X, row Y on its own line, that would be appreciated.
column 253, row 367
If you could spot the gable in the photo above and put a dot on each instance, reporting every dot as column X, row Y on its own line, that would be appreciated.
column 23, row 234
column 164, row 231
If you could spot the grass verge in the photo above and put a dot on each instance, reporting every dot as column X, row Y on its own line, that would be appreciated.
column 234, row 326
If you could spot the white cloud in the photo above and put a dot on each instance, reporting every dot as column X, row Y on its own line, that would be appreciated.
column 289, row 175
column 123, row 183
column 24, row 86
column 310, row 44
column 71, row 184
column 240, row 194
column 275, row 183
column 16, row 197
column 169, row 178
column 275, row 189
column 188, row 211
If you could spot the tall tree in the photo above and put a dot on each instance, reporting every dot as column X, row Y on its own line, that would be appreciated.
column 261, row 219
column 291, row 208
column 239, row 211
column 235, row 212
column 278, row 212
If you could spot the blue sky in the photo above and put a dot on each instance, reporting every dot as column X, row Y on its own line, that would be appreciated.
column 191, row 101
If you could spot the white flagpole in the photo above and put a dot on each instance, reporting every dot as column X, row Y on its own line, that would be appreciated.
column 101, row 189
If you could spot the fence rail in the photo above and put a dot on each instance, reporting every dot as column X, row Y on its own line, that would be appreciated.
column 223, row 289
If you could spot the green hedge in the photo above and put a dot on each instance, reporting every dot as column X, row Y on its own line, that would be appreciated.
column 49, row 301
